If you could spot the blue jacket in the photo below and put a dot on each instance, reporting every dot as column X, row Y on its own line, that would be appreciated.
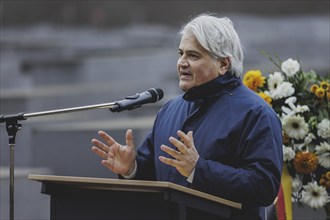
column 237, row 135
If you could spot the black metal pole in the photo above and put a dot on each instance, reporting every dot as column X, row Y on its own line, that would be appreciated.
column 12, row 126
column 11, row 182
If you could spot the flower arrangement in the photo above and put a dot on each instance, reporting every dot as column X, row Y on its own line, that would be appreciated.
column 302, row 101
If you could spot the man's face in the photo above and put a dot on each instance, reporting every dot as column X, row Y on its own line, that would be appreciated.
column 195, row 65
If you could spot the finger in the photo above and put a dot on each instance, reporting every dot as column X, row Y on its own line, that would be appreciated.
column 99, row 152
column 168, row 161
column 107, row 138
column 187, row 139
column 177, row 155
column 181, row 146
column 129, row 139
column 100, row 145
column 108, row 163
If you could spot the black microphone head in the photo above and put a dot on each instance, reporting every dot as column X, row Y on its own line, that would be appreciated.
column 156, row 94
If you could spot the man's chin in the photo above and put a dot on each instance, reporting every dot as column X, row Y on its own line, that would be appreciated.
column 185, row 87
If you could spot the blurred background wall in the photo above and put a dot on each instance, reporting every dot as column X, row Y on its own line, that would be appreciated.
column 60, row 54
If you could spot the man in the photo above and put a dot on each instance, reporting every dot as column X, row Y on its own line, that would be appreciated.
column 218, row 137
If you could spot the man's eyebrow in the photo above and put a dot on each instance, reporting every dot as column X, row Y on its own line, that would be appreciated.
column 190, row 51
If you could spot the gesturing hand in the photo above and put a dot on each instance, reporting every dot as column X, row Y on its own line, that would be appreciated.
column 118, row 158
column 186, row 155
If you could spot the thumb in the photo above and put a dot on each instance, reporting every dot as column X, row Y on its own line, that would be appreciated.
column 129, row 139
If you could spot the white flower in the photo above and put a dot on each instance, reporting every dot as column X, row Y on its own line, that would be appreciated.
column 296, row 184
column 283, row 90
column 309, row 138
column 287, row 111
column 295, row 126
column 301, row 108
column 288, row 153
column 274, row 80
column 291, row 100
column 293, row 109
column 298, row 147
column 315, row 196
column 290, row 67
column 323, row 152
column 323, row 128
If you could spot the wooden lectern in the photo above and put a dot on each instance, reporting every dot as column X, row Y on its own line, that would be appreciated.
column 102, row 198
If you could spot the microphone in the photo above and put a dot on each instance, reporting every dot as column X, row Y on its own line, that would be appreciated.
column 135, row 101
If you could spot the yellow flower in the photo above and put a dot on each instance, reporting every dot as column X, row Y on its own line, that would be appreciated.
column 313, row 88
column 266, row 97
column 254, row 79
column 305, row 162
column 320, row 92
column 325, row 85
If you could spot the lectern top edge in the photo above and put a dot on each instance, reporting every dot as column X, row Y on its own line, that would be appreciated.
column 122, row 183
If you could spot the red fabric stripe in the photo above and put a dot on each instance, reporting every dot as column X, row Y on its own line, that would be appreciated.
column 280, row 205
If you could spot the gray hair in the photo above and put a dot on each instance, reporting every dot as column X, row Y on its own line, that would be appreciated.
column 218, row 36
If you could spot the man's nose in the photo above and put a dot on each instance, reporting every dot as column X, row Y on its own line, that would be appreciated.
column 183, row 61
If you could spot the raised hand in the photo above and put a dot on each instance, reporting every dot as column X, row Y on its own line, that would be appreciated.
column 185, row 156
column 120, row 159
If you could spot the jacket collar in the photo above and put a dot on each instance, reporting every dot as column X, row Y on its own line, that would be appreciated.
column 212, row 88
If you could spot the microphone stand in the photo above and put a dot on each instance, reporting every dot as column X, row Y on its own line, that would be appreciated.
column 13, row 125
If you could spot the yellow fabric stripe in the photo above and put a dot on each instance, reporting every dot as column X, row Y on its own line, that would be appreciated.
column 286, row 182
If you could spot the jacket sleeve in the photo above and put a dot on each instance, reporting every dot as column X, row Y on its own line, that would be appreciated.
column 258, row 173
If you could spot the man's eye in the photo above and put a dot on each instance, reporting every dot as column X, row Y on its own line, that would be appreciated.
column 194, row 56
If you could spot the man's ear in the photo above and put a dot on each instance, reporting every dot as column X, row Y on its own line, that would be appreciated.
column 224, row 65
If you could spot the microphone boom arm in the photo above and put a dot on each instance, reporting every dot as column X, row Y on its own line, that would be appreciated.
column 68, row 110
